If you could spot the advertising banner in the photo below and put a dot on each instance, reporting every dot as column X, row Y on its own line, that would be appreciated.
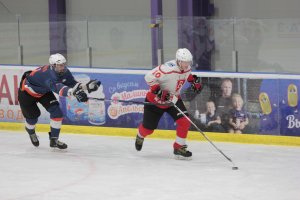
column 112, row 114
column 281, row 103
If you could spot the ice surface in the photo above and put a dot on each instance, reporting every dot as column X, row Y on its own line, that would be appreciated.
column 104, row 168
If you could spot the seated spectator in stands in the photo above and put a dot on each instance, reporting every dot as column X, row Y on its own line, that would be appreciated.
column 238, row 118
column 224, row 102
column 210, row 120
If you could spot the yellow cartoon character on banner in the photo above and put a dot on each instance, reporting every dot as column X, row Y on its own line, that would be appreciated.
column 292, row 94
column 265, row 103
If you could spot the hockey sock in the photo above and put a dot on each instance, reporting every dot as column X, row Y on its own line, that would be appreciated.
column 144, row 132
column 182, row 129
column 55, row 124
column 30, row 125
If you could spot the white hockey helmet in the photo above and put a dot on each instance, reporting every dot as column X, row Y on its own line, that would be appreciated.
column 57, row 59
column 184, row 55
column 58, row 63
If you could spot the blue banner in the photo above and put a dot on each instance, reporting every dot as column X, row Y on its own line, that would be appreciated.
column 280, row 104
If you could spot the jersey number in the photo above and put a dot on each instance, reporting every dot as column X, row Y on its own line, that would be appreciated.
column 156, row 73
column 179, row 84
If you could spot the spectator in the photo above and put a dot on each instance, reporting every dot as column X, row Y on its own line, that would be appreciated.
column 238, row 118
column 224, row 102
column 210, row 120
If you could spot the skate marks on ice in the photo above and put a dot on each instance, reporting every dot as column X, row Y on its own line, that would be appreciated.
column 99, row 167
column 38, row 172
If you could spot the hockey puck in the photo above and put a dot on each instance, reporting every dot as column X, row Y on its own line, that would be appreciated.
column 235, row 168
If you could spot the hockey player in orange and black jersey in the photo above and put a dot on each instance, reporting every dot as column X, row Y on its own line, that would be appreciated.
column 37, row 86
column 165, row 83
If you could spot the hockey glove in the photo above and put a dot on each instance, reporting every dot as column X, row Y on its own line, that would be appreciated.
column 78, row 92
column 196, row 85
column 163, row 95
column 81, row 96
column 91, row 86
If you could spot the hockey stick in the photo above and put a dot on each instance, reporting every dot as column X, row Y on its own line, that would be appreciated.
column 133, row 102
column 229, row 159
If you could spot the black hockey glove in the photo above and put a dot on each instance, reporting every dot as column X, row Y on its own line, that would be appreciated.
column 196, row 85
column 80, row 95
column 92, row 85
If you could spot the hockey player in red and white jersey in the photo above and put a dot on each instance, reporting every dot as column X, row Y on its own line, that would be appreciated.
column 165, row 83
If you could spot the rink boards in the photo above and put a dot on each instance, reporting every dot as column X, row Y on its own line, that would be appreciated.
column 275, row 123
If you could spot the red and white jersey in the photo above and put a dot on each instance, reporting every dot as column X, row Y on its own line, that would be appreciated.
column 168, row 77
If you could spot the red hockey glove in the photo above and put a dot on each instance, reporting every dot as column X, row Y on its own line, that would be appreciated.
column 163, row 95
column 196, row 85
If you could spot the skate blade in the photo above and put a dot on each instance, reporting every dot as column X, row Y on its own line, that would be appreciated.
column 55, row 149
column 36, row 146
column 179, row 157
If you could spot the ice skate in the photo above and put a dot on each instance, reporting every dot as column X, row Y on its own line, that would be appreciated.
column 182, row 153
column 139, row 143
column 33, row 137
column 55, row 143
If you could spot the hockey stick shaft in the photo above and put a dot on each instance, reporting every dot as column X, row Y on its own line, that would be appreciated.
column 202, row 133
column 132, row 102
